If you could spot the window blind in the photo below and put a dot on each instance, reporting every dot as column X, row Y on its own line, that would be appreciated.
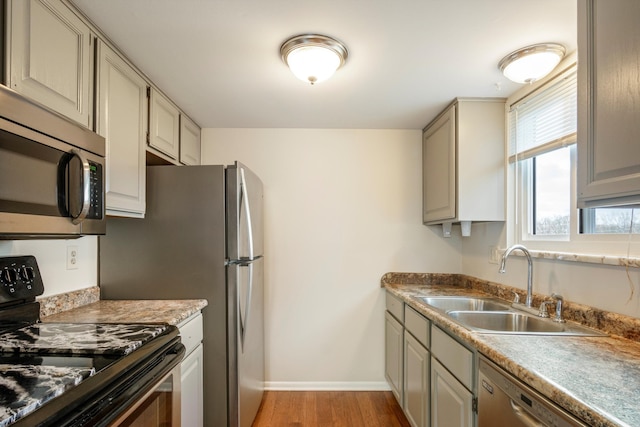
column 545, row 119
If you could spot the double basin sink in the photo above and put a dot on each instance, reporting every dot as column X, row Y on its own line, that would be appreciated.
column 492, row 315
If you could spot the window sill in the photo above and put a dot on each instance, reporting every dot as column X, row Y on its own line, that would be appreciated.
column 617, row 261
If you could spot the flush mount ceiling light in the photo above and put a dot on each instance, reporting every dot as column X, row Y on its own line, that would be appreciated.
column 313, row 57
column 531, row 63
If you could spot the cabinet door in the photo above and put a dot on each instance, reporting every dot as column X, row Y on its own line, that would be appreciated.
column 191, row 369
column 608, row 99
column 164, row 126
column 393, row 355
column 439, row 169
column 121, row 110
column 189, row 141
column 451, row 402
column 416, row 382
column 50, row 58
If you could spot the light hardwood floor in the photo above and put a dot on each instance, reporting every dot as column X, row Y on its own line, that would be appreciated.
column 329, row 409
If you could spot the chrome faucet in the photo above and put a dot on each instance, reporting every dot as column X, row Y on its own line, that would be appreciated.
column 502, row 270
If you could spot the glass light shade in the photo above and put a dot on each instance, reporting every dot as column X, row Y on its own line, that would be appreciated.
column 313, row 58
column 532, row 62
column 313, row 64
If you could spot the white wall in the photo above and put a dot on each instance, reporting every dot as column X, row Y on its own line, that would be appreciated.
column 51, row 256
column 609, row 288
column 342, row 207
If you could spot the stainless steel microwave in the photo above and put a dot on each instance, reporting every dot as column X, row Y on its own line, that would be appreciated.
column 51, row 173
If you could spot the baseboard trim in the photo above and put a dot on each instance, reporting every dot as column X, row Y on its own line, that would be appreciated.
column 326, row 386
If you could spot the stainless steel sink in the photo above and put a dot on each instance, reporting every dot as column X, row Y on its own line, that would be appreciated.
column 447, row 304
column 511, row 322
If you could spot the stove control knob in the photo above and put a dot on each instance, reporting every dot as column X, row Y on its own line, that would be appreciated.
column 9, row 276
column 26, row 274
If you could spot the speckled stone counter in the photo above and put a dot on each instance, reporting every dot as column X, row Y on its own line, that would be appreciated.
column 131, row 311
column 595, row 378
column 68, row 301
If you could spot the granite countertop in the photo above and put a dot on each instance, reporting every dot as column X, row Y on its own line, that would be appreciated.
column 27, row 387
column 171, row 312
column 595, row 378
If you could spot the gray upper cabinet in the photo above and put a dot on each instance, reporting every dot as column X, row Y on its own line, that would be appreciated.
column 164, row 125
column 121, row 118
column 50, row 57
column 189, row 141
column 608, row 102
column 463, row 163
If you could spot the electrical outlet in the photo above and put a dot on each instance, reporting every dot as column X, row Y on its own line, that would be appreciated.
column 494, row 255
column 72, row 257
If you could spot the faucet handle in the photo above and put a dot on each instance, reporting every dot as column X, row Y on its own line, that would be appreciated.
column 543, row 308
column 558, row 299
column 516, row 297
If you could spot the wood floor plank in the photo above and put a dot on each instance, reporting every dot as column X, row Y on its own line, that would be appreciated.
column 329, row 409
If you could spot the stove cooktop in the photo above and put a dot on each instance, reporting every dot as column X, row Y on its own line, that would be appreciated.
column 24, row 388
column 41, row 361
column 78, row 338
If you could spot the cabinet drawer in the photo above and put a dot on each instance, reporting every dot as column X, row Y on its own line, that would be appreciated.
column 418, row 325
column 454, row 356
column 191, row 332
column 395, row 306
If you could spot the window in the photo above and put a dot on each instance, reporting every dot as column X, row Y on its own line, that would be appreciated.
column 542, row 164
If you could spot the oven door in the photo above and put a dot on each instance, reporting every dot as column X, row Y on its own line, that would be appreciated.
column 160, row 406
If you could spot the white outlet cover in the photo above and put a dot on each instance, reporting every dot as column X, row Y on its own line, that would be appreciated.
column 72, row 257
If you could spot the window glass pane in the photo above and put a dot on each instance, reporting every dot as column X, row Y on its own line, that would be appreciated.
column 552, row 193
column 612, row 220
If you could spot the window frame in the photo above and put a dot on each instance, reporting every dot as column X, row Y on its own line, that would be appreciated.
column 519, row 198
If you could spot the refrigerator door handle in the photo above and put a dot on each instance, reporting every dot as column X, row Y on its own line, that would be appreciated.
column 244, row 320
column 244, row 202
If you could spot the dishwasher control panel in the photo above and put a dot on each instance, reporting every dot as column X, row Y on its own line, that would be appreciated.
column 504, row 401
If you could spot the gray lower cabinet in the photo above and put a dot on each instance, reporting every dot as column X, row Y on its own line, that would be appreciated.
column 452, row 378
column 451, row 402
column 416, row 381
column 394, row 336
column 430, row 372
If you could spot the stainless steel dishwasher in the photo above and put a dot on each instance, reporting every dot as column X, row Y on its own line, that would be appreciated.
column 504, row 401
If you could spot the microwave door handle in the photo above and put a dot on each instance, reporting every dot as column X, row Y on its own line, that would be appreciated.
column 85, row 191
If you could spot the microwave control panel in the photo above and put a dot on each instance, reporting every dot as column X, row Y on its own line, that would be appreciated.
column 96, row 190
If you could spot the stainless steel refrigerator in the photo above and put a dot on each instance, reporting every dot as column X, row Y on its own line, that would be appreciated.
column 201, row 238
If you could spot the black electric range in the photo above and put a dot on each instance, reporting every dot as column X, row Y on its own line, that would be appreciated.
column 66, row 374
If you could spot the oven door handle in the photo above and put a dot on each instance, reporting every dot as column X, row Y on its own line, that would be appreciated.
column 523, row 416
column 82, row 188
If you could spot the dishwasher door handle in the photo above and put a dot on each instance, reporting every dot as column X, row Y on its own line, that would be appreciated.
column 523, row 416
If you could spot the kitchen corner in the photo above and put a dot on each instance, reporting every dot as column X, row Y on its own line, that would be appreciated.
column 594, row 378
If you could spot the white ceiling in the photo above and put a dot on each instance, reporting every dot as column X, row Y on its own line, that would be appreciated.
column 219, row 59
